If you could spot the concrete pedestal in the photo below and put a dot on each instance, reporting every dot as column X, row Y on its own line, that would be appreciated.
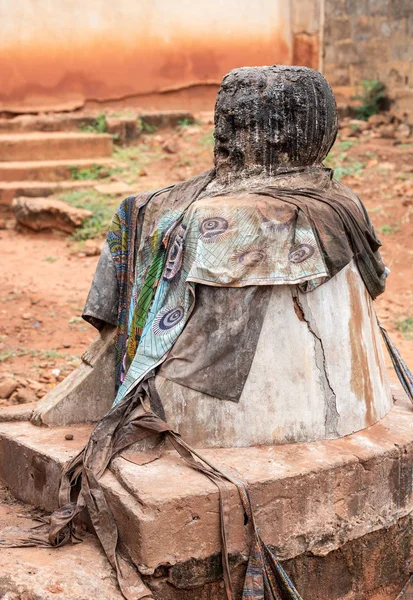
column 318, row 373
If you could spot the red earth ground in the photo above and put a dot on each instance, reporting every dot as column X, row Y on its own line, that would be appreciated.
column 45, row 280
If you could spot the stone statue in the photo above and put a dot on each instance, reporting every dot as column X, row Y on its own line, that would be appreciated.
column 243, row 306
column 273, row 337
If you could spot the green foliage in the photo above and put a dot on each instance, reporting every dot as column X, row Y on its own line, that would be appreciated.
column 77, row 323
column 373, row 98
column 376, row 209
column 145, row 127
column 405, row 326
column 51, row 259
column 6, row 355
column 126, row 113
column 52, row 354
column 345, row 145
column 369, row 155
column 185, row 122
column 93, row 172
column 99, row 125
column 390, row 229
column 184, row 163
column 343, row 165
column 11, row 297
column 208, row 139
column 354, row 167
column 188, row 122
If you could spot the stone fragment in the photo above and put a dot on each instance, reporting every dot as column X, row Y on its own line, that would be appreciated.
column 69, row 436
column 387, row 166
column 403, row 131
column 170, row 147
column 34, row 385
column 25, row 396
column 48, row 213
column 387, row 131
column 345, row 132
column 358, row 124
column 92, row 248
column 377, row 120
column 7, row 387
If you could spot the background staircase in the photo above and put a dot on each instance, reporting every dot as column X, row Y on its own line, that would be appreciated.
column 43, row 163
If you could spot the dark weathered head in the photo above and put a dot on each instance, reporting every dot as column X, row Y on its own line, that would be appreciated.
column 271, row 118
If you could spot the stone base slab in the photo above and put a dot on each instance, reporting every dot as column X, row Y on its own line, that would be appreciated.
column 32, row 459
column 331, row 507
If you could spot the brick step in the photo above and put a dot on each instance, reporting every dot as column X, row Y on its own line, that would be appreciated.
column 78, row 121
column 48, row 170
column 54, row 146
column 34, row 189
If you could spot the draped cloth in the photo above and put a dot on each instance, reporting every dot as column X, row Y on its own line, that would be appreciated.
column 165, row 243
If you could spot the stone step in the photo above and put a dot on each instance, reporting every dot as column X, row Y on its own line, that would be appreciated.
column 74, row 572
column 77, row 121
column 32, row 459
column 49, row 170
column 34, row 189
column 309, row 498
column 54, row 146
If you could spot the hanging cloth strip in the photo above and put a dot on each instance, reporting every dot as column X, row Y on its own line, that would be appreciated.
column 402, row 370
column 407, row 591
column 127, row 423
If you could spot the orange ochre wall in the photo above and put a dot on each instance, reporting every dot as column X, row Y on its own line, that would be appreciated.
column 61, row 55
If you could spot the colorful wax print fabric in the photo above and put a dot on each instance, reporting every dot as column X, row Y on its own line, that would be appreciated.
column 250, row 240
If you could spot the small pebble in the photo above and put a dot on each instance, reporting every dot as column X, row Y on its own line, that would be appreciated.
column 69, row 436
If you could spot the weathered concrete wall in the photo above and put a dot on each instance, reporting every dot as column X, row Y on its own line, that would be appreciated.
column 167, row 55
column 307, row 17
column 370, row 39
column 59, row 55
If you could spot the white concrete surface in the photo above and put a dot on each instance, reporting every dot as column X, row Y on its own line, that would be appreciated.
column 318, row 373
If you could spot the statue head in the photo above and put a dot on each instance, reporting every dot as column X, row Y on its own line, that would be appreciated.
column 271, row 119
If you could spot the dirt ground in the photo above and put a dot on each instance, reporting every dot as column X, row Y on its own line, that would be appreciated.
column 46, row 276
